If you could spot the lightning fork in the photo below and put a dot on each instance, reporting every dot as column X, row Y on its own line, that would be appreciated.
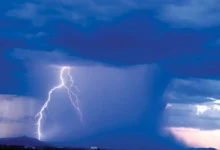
column 70, row 94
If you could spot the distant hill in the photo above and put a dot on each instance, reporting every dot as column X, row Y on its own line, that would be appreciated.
column 23, row 141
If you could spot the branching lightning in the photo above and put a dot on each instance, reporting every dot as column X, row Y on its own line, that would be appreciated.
column 70, row 93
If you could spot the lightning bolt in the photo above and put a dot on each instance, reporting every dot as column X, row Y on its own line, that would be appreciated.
column 70, row 93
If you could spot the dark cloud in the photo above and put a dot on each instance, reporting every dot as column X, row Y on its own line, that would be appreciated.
column 11, row 73
column 193, row 88
column 6, row 24
column 204, row 64
column 42, row 11
column 132, row 39
column 135, row 38
column 183, row 98
column 138, row 38
column 180, row 13
column 47, row 58
column 8, row 43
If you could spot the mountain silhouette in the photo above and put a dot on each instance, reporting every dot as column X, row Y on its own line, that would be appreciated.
column 28, row 141
column 23, row 141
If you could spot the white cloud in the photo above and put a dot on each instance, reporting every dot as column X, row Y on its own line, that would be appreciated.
column 216, row 101
column 201, row 109
column 193, row 100
column 168, row 105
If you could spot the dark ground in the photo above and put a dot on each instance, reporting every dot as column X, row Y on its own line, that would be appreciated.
column 7, row 147
column 17, row 143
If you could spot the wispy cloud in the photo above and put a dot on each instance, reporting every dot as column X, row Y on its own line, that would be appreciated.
column 189, row 13
column 35, row 35
column 48, row 57
column 215, row 100
column 70, row 10
column 193, row 13
column 218, row 41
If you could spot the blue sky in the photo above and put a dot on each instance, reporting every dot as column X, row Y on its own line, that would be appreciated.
column 141, row 66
